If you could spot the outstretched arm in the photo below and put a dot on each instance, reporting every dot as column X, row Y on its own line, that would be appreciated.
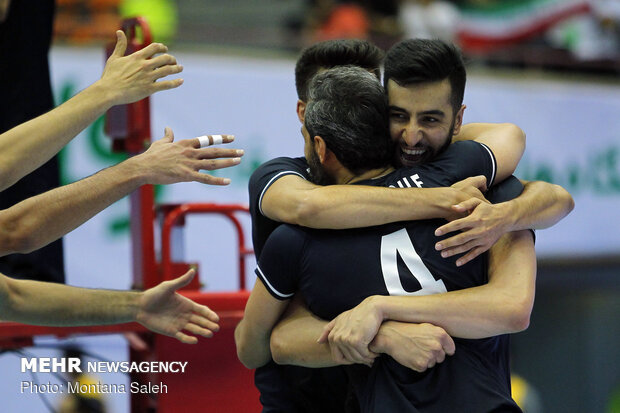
column 37, row 221
column 160, row 309
column 125, row 79
column 294, row 200
column 541, row 205
column 503, row 305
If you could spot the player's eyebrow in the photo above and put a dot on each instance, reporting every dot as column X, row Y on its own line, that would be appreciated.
column 397, row 109
column 433, row 112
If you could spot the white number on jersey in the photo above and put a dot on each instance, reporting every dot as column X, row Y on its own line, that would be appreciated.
column 399, row 243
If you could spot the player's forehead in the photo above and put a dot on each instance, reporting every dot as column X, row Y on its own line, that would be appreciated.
column 420, row 97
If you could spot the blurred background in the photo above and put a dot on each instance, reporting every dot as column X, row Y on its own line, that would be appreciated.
column 550, row 66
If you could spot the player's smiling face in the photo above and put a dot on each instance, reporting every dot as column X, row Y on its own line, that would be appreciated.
column 421, row 120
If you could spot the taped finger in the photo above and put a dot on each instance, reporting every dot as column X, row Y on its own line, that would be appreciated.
column 208, row 140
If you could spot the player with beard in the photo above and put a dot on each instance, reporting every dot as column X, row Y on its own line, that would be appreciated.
column 335, row 270
column 280, row 192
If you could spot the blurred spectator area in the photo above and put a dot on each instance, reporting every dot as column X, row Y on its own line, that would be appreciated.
column 562, row 35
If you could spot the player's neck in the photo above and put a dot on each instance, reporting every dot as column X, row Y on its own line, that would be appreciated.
column 370, row 174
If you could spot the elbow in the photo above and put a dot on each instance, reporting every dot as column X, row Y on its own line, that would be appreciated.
column 278, row 348
column 244, row 349
column 245, row 359
column 305, row 212
column 518, row 135
column 566, row 198
column 517, row 132
column 519, row 318
column 17, row 238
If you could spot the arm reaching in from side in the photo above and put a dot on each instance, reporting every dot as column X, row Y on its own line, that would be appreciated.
column 125, row 79
column 294, row 200
column 541, row 205
column 160, row 309
column 37, row 221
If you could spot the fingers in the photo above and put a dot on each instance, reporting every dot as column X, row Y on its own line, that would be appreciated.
column 166, row 71
column 183, row 280
column 165, row 85
column 168, row 134
column 455, row 245
column 185, row 339
column 217, row 152
column 203, row 322
column 198, row 330
column 160, row 61
column 206, row 312
column 448, row 345
column 455, row 225
column 471, row 255
column 468, row 205
column 480, row 182
column 211, row 180
column 121, row 44
column 151, row 50
column 213, row 164
column 328, row 329
column 209, row 140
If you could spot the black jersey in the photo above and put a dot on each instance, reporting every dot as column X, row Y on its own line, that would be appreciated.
column 260, row 181
column 336, row 270
column 290, row 389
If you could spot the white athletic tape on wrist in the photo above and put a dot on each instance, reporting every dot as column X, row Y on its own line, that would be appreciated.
column 205, row 141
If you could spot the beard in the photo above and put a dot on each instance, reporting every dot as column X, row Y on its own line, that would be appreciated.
column 318, row 175
column 405, row 160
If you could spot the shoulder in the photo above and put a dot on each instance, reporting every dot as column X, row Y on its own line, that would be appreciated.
column 279, row 263
column 272, row 170
column 280, row 166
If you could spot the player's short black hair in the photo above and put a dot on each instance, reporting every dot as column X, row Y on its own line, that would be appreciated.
column 415, row 61
column 348, row 108
column 332, row 53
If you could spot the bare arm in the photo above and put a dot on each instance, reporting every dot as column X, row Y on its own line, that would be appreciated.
column 506, row 140
column 262, row 312
column 125, row 79
column 541, row 205
column 159, row 309
column 294, row 200
column 294, row 341
column 39, row 220
column 503, row 305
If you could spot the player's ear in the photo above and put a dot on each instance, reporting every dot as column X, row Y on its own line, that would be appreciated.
column 458, row 120
column 301, row 110
column 320, row 147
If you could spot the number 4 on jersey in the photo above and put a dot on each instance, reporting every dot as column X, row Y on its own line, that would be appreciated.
column 399, row 244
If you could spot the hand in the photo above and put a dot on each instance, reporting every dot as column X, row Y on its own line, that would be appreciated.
column 461, row 191
column 416, row 346
column 168, row 162
column 164, row 311
column 351, row 332
column 130, row 78
column 474, row 186
column 484, row 225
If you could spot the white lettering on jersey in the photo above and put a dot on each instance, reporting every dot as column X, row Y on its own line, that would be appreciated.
column 399, row 243
column 404, row 182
